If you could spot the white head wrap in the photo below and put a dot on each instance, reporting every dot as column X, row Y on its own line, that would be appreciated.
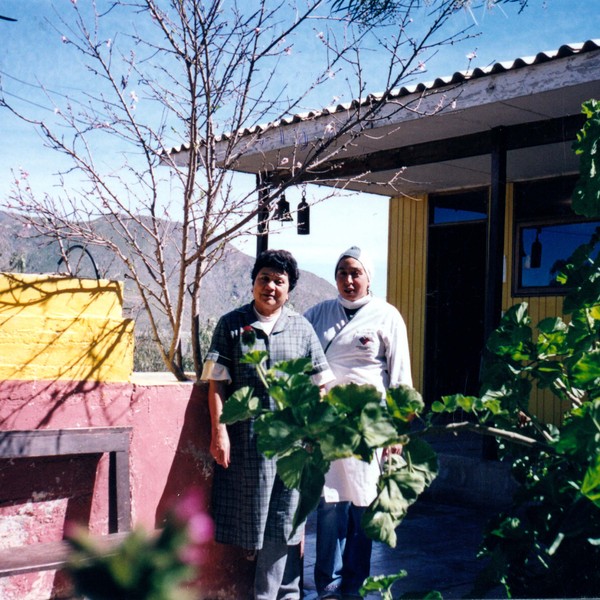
column 362, row 257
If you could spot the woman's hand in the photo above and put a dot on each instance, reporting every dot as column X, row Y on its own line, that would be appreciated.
column 220, row 446
column 219, row 438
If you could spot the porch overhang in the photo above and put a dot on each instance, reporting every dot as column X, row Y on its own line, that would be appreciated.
column 437, row 136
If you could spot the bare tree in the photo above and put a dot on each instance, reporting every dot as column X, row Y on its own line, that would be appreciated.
column 382, row 10
column 211, row 77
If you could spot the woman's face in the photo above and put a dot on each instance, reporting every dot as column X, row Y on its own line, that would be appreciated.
column 270, row 290
column 351, row 279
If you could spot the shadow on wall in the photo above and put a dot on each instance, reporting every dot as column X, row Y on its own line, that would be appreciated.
column 39, row 495
column 227, row 575
column 63, row 328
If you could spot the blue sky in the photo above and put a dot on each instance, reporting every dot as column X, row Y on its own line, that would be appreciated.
column 29, row 54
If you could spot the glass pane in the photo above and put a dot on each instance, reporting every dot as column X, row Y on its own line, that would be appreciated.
column 549, row 198
column 545, row 249
column 458, row 207
column 455, row 215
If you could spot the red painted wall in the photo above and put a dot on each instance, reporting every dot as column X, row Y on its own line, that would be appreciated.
column 169, row 451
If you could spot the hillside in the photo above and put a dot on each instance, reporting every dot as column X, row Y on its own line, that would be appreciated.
column 226, row 286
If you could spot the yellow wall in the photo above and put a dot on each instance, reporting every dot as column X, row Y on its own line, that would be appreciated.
column 543, row 403
column 63, row 328
column 407, row 254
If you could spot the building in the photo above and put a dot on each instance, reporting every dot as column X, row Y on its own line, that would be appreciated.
column 479, row 170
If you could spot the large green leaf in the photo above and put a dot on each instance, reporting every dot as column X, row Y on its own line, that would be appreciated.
column 340, row 441
column 352, row 397
column 291, row 466
column 590, row 486
column 277, row 431
column 380, row 526
column 549, row 373
column 513, row 338
column 255, row 357
column 241, row 405
column 586, row 371
column 399, row 486
column 580, row 434
column 302, row 393
column 552, row 337
column 382, row 584
column 582, row 335
column 376, row 429
column 420, row 456
column 312, row 481
column 404, row 403
column 411, row 483
column 293, row 391
column 295, row 366
column 390, row 498
column 319, row 418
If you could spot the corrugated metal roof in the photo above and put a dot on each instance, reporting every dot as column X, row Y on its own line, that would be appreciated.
column 564, row 51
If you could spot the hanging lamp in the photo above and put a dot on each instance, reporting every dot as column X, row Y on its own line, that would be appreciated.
column 303, row 215
column 282, row 211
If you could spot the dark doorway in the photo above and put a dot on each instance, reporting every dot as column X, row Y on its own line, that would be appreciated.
column 455, row 306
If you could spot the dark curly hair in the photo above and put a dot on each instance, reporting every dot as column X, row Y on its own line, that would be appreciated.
column 280, row 260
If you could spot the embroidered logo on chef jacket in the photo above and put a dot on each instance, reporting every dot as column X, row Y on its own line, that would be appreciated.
column 365, row 340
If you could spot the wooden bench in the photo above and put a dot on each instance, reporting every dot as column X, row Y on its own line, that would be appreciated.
column 64, row 442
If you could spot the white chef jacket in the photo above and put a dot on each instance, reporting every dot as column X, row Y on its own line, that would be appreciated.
column 371, row 348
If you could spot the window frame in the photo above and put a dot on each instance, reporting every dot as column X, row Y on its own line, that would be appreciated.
column 529, row 222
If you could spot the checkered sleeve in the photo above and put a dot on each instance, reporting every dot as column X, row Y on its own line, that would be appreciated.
column 220, row 351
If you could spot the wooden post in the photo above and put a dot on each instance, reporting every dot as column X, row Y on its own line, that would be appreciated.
column 495, row 235
column 495, row 252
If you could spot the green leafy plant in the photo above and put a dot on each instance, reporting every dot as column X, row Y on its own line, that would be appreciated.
column 146, row 565
column 308, row 431
column 548, row 543
column 383, row 585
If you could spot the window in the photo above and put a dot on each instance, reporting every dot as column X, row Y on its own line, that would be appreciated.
column 547, row 231
column 458, row 207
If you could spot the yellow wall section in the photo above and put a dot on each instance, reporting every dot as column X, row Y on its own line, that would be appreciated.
column 54, row 327
column 407, row 243
column 543, row 403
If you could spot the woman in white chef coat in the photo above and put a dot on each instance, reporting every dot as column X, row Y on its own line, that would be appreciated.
column 365, row 342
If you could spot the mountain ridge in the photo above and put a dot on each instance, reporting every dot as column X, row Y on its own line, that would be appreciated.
column 225, row 286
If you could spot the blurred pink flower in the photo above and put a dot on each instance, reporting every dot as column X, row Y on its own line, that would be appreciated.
column 200, row 528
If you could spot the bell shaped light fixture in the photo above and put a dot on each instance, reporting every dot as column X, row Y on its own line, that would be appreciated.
column 303, row 215
column 282, row 210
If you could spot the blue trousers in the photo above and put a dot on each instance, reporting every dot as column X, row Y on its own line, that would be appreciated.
column 343, row 559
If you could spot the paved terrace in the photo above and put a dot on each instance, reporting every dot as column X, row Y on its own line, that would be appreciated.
column 439, row 539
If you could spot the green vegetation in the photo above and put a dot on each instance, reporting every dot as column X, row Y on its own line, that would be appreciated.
column 548, row 543
column 307, row 432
